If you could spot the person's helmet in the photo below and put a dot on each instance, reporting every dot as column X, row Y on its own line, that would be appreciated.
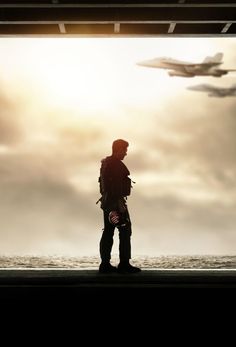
column 114, row 217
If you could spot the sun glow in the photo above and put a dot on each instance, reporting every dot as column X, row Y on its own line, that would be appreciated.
column 78, row 84
column 100, row 76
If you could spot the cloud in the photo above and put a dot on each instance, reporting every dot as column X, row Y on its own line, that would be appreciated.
column 41, row 211
column 142, row 160
column 35, row 214
column 10, row 126
column 169, row 225
column 80, row 136
column 201, row 142
column 182, row 155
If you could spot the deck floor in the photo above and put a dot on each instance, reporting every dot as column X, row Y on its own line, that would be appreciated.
column 21, row 284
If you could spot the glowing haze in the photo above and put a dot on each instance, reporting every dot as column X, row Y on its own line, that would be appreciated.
column 63, row 102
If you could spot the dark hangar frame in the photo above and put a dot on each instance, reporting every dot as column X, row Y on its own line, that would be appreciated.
column 118, row 18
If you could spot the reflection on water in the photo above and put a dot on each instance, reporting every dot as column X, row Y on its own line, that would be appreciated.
column 91, row 262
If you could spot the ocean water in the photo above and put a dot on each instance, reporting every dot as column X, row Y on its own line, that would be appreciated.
column 145, row 262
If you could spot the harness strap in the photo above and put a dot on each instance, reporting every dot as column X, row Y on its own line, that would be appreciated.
column 99, row 200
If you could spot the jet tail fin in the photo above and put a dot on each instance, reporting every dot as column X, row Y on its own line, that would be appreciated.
column 217, row 58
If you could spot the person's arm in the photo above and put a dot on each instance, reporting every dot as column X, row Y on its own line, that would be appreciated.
column 112, row 184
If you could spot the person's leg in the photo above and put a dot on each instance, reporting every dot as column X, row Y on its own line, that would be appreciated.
column 106, row 241
column 125, row 233
column 106, row 244
column 125, row 240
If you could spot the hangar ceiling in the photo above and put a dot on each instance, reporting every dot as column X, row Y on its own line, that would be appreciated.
column 118, row 18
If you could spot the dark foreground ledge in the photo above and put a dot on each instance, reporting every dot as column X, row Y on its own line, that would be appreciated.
column 72, row 284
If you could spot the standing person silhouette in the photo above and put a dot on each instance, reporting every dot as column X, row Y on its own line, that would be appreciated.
column 115, row 186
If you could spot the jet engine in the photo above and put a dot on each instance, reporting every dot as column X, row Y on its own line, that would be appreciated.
column 179, row 73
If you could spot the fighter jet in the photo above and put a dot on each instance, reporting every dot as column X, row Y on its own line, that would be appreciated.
column 218, row 92
column 208, row 67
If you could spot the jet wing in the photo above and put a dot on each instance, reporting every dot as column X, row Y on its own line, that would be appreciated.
column 213, row 91
column 200, row 67
column 203, row 88
column 204, row 65
column 190, row 66
column 228, row 70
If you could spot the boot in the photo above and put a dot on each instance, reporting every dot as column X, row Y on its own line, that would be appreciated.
column 126, row 267
column 106, row 267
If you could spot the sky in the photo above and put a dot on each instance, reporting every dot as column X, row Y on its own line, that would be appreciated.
column 64, row 101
